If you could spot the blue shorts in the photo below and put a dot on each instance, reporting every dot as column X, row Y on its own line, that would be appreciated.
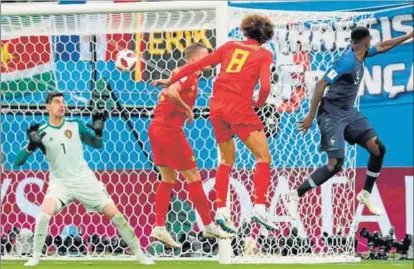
column 335, row 130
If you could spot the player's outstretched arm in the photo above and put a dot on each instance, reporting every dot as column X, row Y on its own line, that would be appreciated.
column 97, row 126
column 35, row 141
column 389, row 44
column 173, row 92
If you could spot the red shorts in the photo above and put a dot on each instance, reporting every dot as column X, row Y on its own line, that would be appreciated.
column 170, row 147
column 229, row 119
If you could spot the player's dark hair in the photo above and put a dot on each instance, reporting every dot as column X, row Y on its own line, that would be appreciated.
column 257, row 27
column 193, row 48
column 52, row 95
column 359, row 33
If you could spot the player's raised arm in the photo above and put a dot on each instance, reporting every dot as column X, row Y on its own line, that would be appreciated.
column 388, row 44
column 35, row 141
column 264, row 81
column 213, row 58
column 87, row 136
column 173, row 92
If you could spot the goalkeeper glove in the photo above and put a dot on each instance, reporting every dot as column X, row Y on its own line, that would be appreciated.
column 35, row 139
column 98, row 122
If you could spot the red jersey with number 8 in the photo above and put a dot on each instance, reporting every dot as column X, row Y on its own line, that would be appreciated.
column 242, row 64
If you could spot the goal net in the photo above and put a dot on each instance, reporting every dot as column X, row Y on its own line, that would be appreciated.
column 71, row 48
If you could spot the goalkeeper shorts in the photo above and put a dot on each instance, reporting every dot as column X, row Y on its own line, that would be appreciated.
column 92, row 195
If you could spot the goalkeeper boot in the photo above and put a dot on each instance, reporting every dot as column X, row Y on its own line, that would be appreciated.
column 293, row 204
column 145, row 260
column 223, row 220
column 162, row 235
column 260, row 215
column 214, row 231
column 34, row 261
column 363, row 198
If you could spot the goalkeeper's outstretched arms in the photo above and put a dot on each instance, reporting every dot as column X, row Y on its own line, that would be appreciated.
column 92, row 136
column 35, row 141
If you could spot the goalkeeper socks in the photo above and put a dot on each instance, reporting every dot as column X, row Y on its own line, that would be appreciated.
column 199, row 199
column 222, row 185
column 127, row 234
column 162, row 202
column 41, row 231
column 317, row 178
column 261, row 182
column 373, row 172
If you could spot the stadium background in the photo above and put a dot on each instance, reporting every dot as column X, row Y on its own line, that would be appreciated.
column 386, row 99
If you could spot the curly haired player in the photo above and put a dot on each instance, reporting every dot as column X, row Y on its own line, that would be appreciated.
column 71, row 179
column 339, row 121
column 243, row 64
column 172, row 151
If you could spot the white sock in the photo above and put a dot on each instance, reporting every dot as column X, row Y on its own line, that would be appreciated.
column 41, row 231
column 260, row 207
column 210, row 226
column 128, row 234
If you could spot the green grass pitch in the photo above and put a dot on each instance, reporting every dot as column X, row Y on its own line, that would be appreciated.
column 204, row 265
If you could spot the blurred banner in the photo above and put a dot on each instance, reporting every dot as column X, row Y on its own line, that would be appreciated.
column 21, row 194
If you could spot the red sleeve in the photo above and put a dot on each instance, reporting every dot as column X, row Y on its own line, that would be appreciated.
column 264, row 81
column 213, row 58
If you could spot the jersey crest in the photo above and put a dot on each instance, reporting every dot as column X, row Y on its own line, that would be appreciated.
column 68, row 133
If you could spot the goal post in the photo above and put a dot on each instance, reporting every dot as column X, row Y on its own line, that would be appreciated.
column 47, row 47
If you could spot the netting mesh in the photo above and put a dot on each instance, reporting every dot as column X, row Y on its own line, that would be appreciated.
column 304, row 46
column 48, row 53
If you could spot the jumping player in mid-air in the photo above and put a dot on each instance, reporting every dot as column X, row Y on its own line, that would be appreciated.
column 340, row 121
column 243, row 64
column 173, row 153
column 71, row 179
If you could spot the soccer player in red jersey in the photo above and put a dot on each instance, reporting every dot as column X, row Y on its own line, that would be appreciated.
column 173, row 153
column 243, row 64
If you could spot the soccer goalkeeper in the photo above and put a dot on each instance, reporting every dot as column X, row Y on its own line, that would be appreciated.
column 71, row 179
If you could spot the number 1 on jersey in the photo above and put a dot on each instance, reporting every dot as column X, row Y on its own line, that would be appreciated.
column 63, row 147
column 238, row 59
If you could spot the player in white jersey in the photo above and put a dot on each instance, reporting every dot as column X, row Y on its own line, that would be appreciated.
column 70, row 177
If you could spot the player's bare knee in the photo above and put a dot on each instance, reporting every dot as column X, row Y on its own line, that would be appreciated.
column 227, row 153
column 227, row 162
column 110, row 210
column 376, row 148
column 169, row 180
column 335, row 164
column 264, row 157
column 192, row 179
column 191, row 175
column 51, row 206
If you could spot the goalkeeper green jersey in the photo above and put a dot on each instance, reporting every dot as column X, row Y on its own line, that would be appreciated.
column 62, row 146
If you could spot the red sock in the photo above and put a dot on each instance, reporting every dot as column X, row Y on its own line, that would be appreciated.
column 222, row 185
column 199, row 199
column 162, row 202
column 261, row 182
